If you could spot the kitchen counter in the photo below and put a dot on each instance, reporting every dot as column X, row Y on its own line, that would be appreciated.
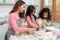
column 3, row 29
column 39, row 35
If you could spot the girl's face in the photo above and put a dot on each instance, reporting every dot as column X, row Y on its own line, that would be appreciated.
column 21, row 8
column 45, row 15
column 33, row 12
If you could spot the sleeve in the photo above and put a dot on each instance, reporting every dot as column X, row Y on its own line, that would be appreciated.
column 30, row 23
column 14, row 25
column 37, row 21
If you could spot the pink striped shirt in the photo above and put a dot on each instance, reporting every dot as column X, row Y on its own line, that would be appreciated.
column 13, row 17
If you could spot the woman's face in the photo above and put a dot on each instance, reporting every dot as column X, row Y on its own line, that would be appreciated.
column 21, row 8
column 45, row 15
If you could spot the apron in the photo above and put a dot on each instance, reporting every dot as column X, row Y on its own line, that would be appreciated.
column 11, row 31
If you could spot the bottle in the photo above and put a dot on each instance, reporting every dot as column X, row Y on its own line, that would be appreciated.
column 44, row 23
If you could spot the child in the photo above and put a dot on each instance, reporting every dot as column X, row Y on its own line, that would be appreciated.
column 45, row 15
column 30, row 17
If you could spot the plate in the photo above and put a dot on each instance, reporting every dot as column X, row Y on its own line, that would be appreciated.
column 51, row 28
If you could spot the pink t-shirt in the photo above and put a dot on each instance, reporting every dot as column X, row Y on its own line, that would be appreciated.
column 30, row 23
column 13, row 17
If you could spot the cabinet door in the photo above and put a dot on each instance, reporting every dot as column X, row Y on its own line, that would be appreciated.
column 54, row 5
column 58, row 10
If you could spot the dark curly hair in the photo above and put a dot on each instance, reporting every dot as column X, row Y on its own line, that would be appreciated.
column 41, row 13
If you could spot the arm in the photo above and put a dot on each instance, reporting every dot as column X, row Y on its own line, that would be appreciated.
column 38, row 22
column 14, row 25
column 30, row 23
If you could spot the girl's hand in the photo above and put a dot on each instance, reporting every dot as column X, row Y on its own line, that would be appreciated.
column 48, row 24
column 31, row 31
column 40, row 25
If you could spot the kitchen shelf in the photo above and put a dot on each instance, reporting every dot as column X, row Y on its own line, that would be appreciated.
column 6, row 3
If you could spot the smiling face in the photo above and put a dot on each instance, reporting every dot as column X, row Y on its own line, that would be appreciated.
column 21, row 8
column 45, row 15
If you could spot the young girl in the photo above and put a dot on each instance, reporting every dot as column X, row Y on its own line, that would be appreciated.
column 15, row 22
column 45, row 15
column 30, row 17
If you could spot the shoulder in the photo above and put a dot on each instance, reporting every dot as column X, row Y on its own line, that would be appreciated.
column 27, row 17
column 12, row 15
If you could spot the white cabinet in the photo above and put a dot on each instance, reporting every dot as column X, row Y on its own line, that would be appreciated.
column 1, row 1
column 32, row 2
column 10, row 1
column 4, row 2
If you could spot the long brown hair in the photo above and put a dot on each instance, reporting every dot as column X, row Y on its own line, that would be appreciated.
column 15, row 8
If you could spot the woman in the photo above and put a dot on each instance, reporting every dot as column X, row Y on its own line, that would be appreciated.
column 31, row 18
column 15, row 22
